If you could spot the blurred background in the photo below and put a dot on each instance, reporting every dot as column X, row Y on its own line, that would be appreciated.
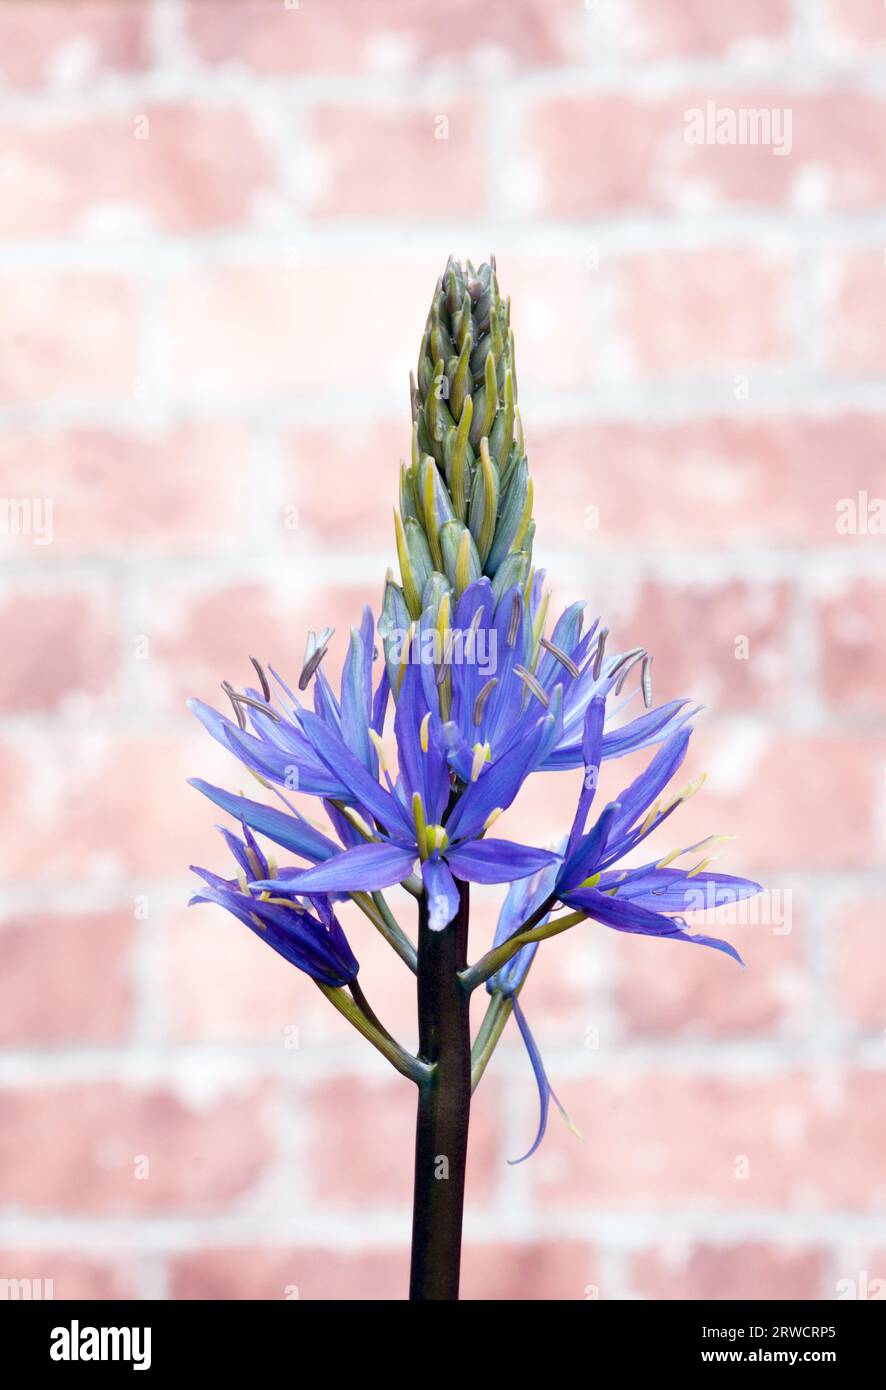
column 221, row 222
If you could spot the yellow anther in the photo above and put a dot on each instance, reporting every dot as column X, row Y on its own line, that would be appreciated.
column 377, row 744
column 492, row 817
column 669, row 858
column 423, row 732
column 481, row 755
column 241, row 879
column 653, row 812
column 358, row 822
column 591, row 882
column 702, row 864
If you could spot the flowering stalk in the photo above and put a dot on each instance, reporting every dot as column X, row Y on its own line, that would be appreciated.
column 444, row 1105
column 483, row 697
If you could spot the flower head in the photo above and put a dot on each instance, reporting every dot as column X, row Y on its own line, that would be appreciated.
column 309, row 938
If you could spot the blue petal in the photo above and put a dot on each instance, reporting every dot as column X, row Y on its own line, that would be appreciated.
column 592, row 740
column 496, row 786
column 362, row 786
column 319, row 949
column 361, row 869
column 671, row 890
column 545, row 1090
column 648, row 728
column 442, row 892
column 631, row 917
column 356, row 702
column 498, row 861
column 286, row 830
column 636, row 799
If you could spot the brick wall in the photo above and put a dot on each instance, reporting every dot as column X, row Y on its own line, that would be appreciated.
column 220, row 226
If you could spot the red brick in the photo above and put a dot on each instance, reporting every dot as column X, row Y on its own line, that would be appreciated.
column 201, row 636
column 670, row 989
column 858, row 942
column 692, row 28
column 201, row 1158
column 72, row 43
column 49, row 319
column 348, row 36
column 853, row 660
column 183, row 487
column 219, row 983
column 304, row 1273
column 195, row 170
column 634, row 153
column 101, row 807
column 554, row 314
column 362, row 1136
column 58, row 646
column 711, row 311
column 778, row 794
column 696, row 632
column 321, row 461
column 748, row 1271
column 424, row 163
column 66, row 978
column 725, row 482
column 811, row 1141
column 855, row 338
column 853, row 28
column 500, row 1272
column 599, row 153
column 268, row 331
column 74, row 1274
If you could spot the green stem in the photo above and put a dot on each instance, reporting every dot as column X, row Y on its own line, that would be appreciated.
column 487, row 965
column 486, row 1041
column 444, row 1104
column 404, row 1062
column 381, row 917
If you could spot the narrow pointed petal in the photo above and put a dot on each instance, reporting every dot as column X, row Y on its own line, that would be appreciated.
column 545, row 1090
column 497, row 861
column 361, row 869
column 286, row 830
column 631, row 917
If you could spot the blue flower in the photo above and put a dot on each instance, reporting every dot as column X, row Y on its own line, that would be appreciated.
column 502, row 669
column 644, row 899
column 416, row 816
column 487, row 678
column 312, row 940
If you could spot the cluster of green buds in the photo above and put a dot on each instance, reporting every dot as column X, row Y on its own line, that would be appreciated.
column 466, row 495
